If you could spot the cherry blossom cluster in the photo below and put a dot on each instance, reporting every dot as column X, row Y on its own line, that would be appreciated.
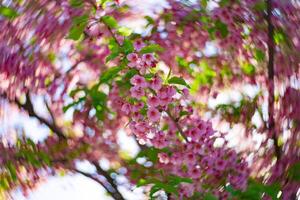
column 152, row 105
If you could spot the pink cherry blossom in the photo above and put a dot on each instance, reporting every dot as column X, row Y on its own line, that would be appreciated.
column 126, row 108
column 148, row 59
column 194, row 172
column 133, row 59
column 138, row 81
column 163, row 158
column 138, row 45
column 153, row 101
column 137, row 92
column 155, row 83
column 153, row 114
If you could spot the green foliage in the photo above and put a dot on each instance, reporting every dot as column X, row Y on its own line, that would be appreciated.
column 114, row 50
column 183, row 63
column 99, row 100
column 110, row 21
column 204, row 77
column 222, row 28
column 76, row 3
column 8, row 12
column 150, row 20
column 248, row 69
column 150, row 153
column 124, row 31
column 260, row 6
column 204, row 3
column 152, row 48
column 110, row 74
column 279, row 37
column 255, row 191
column 12, row 170
column 209, row 196
column 259, row 55
column 127, row 47
column 178, row 80
column 67, row 107
column 78, row 25
column 294, row 172
column 169, row 186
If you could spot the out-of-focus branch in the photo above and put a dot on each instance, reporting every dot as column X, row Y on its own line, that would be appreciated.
column 116, row 194
column 112, row 193
column 76, row 64
column 271, row 54
column 50, row 112
column 28, row 107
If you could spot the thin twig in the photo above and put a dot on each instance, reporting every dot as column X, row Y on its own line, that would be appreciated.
column 76, row 64
column 50, row 112
column 177, row 125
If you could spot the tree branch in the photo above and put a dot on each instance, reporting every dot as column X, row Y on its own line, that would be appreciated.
column 28, row 107
column 112, row 193
column 271, row 55
column 116, row 194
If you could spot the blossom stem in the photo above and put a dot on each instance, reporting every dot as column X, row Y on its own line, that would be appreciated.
column 177, row 125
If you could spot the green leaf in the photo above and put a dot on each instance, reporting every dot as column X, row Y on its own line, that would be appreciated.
column 182, row 62
column 4, row 184
column 67, row 107
column 248, row 69
column 224, row 3
column 8, row 12
column 110, row 21
column 127, row 46
column 222, row 28
column 111, row 56
column 114, row 49
column 176, row 180
column 76, row 3
column 294, row 172
column 260, row 6
column 209, row 196
column 204, row 3
column 152, row 48
column 110, row 74
column 12, row 171
column 153, row 190
column 178, row 80
column 151, row 153
column 279, row 37
column 99, row 98
column 78, row 26
column 150, row 20
column 124, row 31
column 205, row 77
column 130, row 74
column 272, row 190
column 31, row 143
column 259, row 55
column 45, row 157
